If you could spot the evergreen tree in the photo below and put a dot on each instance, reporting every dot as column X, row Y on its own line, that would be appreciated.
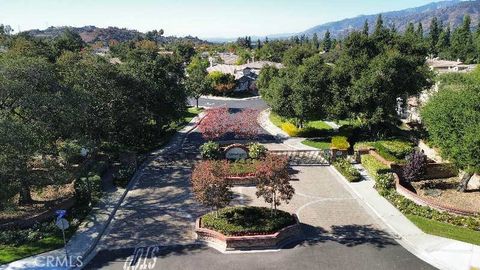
column 462, row 42
column 259, row 44
column 420, row 31
column 315, row 42
column 366, row 29
column 410, row 31
column 379, row 28
column 327, row 42
column 434, row 36
column 443, row 45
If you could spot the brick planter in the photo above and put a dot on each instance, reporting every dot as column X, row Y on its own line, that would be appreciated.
column 426, row 202
column 277, row 240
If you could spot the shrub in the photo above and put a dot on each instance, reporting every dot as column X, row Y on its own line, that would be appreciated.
column 123, row 176
column 88, row 188
column 70, row 151
column 384, row 182
column 363, row 145
column 340, row 142
column 373, row 166
column 416, row 166
column 290, row 129
column 248, row 220
column 210, row 150
column 400, row 149
column 347, row 170
column 257, row 151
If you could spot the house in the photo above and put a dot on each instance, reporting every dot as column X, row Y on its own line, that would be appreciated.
column 245, row 75
column 444, row 66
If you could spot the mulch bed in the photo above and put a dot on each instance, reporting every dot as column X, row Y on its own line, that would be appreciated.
column 444, row 191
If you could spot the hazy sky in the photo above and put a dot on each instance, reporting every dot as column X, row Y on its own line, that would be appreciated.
column 203, row 18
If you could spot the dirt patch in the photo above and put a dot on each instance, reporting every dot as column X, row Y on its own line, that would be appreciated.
column 45, row 198
column 444, row 191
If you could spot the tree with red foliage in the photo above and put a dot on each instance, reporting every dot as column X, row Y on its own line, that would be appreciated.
column 274, row 180
column 218, row 122
column 209, row 184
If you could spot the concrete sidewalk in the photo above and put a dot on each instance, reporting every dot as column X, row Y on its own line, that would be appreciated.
column 83, row 242
column 440, row 252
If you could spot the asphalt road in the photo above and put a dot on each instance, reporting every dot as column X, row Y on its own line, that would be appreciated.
column 256, row 103
column 366, row 253
column 350, row 246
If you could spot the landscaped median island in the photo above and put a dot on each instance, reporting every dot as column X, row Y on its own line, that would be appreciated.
column 248, row 228
column 224, row 166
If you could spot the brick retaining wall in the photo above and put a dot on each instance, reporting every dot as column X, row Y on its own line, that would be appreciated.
column 250, row 242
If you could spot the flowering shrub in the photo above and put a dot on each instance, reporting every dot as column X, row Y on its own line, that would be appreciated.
column 347, row 170
column 290, row 129
column 257, row 151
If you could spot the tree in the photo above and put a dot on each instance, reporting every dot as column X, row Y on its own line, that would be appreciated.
column 197, row 83
column 315, row 42
column 219, row 122
column 379, row 27
column 184, row 50
column 311, row 86
column 274, row 181
column 419, row 31
column 443, row 45
column 452, row 120
column 68, row 41
column 366, row 29
column 296, row 54
column 462, row 46
column 210, row 185
column 434, row 36
column 327, row 42
column 222, row 83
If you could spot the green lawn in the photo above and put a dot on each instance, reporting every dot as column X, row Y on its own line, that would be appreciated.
column 318, row 125
column 320, row 144
column 191, row 113
column 276, row 119
column 12, row 253
column 446, row 230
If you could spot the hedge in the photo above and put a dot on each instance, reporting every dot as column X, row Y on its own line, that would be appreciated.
column 234, row 221
column 340, row 142
column 290, row 129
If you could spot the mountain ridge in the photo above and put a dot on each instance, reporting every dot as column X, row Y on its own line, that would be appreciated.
column 447, row 11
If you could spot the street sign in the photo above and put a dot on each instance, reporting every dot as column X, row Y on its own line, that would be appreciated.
column 62, row 224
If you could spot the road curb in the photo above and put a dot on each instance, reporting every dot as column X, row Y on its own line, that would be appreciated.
column 90, row 253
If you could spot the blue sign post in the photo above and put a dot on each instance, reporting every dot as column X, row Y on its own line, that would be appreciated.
column 62, row 224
